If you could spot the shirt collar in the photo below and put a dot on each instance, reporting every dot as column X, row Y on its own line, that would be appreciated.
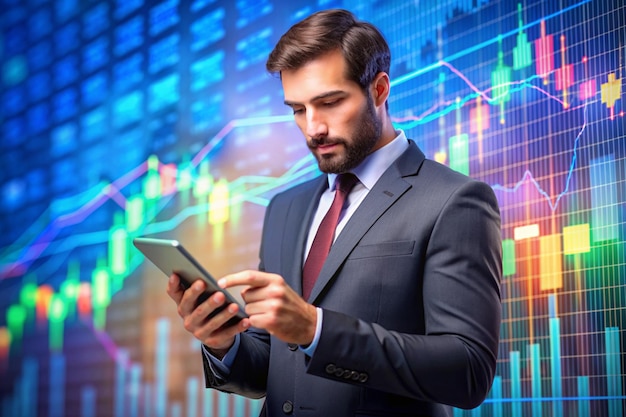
column 375, row 164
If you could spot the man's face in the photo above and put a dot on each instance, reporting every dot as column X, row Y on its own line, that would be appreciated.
column 338, row 120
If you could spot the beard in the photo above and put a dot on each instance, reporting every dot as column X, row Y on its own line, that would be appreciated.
column 356, row 148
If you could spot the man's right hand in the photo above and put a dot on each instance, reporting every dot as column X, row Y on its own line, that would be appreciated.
column 210, row 331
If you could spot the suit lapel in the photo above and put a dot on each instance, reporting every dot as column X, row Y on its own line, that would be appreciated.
column 383, row 195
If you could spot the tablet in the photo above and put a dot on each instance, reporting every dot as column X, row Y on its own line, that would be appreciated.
column 172, row 258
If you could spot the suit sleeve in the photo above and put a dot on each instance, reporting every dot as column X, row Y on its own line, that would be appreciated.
column 454, row 361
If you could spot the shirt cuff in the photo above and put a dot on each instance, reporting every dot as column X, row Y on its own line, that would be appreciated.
column 222, row 367
column 310, row 349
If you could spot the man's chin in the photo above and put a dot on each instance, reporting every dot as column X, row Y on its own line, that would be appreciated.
column 331, row 164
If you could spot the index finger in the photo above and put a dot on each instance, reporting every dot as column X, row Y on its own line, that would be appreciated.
column 247, row 278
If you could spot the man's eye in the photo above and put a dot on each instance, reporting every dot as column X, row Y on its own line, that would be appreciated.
column 330, row 103
column 297, row 111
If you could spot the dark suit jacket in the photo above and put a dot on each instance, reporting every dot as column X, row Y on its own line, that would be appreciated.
column 410, row 294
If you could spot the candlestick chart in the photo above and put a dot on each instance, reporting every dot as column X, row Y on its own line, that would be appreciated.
column 130, row 118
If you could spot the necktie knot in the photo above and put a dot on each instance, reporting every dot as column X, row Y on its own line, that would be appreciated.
column 346, row 182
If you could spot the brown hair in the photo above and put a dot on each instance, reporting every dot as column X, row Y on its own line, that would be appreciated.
column 362, row 45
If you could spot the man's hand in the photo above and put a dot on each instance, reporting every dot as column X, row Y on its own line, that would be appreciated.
column 273, row 305
column 210, row 331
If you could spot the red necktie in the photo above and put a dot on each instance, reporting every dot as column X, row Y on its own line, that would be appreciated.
column 325, row 233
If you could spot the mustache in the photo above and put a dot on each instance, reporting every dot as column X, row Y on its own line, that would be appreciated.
column 315, row 142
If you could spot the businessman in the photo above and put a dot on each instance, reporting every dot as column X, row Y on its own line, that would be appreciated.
column 378, row 291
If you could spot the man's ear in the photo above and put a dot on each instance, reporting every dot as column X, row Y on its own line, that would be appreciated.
column 381, row 87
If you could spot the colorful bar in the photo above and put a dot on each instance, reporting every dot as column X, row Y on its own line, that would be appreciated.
column 27, row 390
column 576, row 239
column 148, row 395
column 555, row 365
column 160, row 371
column 550, row 263
column 583, row 394
column 192, row 397
column 604, row 199
column 526, row 232
column 57, row 385
column 508, row 257
column 516, row 384
column 120, row 383
column 135, row 389
column 613, row 372
column 88, row 402
column 535, row 378
column 207, row 400
column 459, row 153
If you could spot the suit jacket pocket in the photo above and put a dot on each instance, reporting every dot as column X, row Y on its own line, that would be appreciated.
column 398, row 248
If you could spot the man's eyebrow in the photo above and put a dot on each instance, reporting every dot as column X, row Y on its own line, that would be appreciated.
column 318, row 97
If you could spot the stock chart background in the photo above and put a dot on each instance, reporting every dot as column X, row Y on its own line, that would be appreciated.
column 128, row 118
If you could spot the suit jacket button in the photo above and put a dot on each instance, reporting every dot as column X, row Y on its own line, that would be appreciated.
column 338, row 372
column 287, row 407
column 330, row 368
column 292, row 346
column 354, row 375
column 363, row 377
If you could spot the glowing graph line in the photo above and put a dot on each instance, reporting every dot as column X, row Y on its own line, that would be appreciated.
column 529, row 176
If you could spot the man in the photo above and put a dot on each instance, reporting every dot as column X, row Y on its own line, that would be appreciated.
column 404, row 316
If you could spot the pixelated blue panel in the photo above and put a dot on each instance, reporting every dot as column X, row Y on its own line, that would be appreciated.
column 40, row 24
column 14, row 70
column 13, row 133
column 38, row 118
column 128, row 109
column 197, row 5
column 164, row 53
column 129, row 152
column 207, row 114
column 15, row 40
column 95, row 55
column 94, row 159
column 93, row 125
column 94, row 89
column 124, row 8
column 66, row 71
column 13, row 14
column 251, row 10
column 66, row 39
column 38, row 86
column 129, row 36
column 208, row 29
column 64, row 139
column 13, row 194
column 36, row 180
column 254, row 48
column 13, row 100
column 65, row 9
column 164, row 92
column 208, row 70
column 65, row 104
column 39, row 56
column 128, row 72
column 163, row 16
column 64, row 176
column 96, row 20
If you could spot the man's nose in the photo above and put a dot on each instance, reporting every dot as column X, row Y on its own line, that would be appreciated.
column 316, row 126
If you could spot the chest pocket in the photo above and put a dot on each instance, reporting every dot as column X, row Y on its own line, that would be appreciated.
column 398, row 248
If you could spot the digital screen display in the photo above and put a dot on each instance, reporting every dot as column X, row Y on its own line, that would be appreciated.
column 128, row 118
